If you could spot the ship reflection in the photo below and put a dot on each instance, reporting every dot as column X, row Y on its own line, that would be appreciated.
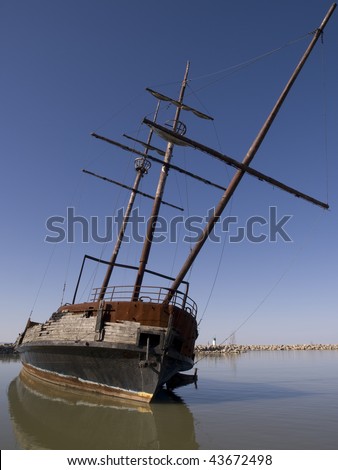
column 48, row 417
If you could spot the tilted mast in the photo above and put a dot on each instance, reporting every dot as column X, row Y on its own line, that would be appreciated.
column 142, row 165
column 246, row 162
column 159, row 193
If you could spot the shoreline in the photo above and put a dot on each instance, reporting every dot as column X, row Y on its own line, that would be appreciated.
column 240, row 348
column 9, row 348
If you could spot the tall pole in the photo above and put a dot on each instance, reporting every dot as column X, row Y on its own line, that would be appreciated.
column 247, row 160
column 142, row 166
column 123, row 227
column 158, row 197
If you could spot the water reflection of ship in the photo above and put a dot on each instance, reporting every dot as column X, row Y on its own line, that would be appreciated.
column 46, row 417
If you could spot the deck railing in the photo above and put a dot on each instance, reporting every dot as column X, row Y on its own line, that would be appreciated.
column 150, row 294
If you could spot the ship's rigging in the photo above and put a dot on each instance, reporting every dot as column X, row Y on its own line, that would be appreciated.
column 129, row 341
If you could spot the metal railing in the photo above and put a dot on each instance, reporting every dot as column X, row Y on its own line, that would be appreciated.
column 149, row 294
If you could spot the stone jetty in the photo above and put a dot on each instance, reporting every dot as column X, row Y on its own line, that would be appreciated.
column 7, row 348
column 239, row 348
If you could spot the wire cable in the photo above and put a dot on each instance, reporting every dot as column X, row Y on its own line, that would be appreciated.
column 273, row 287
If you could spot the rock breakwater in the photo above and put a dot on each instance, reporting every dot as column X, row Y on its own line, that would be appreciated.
column 7, row 348
column 239, row 348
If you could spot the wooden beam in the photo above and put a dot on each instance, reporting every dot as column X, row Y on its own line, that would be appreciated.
column 234, row 163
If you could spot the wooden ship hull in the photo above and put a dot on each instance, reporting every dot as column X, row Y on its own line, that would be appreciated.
column 119, row 348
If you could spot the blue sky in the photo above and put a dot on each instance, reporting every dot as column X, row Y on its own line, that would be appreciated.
column 73, row 67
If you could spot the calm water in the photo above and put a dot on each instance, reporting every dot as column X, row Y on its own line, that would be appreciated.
column 259, row 400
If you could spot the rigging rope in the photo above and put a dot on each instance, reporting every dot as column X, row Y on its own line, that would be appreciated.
column 288, row 268
column 216, row 274
column 43, row 280
column 227, row 172
column 177, row 230
column 234, row 68
column 119, row 111
column 188, row 210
